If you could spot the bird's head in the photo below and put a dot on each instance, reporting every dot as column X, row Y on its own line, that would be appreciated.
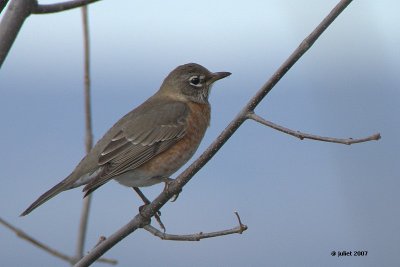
column 191, row 82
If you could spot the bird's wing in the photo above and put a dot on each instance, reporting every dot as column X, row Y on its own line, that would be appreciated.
column 140, row 139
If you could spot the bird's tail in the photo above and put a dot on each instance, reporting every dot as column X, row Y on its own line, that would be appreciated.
column 55, row 190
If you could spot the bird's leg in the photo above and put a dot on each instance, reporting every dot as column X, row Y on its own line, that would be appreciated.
column 167, row 182
column 146, row 202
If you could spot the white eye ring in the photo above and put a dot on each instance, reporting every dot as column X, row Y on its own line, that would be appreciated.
column 196, row 81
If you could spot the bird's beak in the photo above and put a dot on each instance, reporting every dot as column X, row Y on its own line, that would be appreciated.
column 218, row 76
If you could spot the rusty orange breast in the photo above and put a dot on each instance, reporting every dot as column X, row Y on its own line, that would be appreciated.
column 177, row 155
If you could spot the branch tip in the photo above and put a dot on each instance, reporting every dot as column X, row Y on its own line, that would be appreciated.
column 302, row 136
column 101, row 240
column 242, row 226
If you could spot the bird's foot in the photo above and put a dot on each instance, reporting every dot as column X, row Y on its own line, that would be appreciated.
column 167, row 182
column 157, row 216
column 146, row 201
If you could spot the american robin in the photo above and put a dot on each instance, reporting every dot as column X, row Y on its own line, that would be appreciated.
column 152, row 141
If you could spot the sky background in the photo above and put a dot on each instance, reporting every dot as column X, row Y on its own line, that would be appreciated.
column 300, row 199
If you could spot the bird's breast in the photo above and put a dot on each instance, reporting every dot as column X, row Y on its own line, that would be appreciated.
column 169, row 161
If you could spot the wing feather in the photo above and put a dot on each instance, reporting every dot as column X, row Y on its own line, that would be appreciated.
column 141, row 139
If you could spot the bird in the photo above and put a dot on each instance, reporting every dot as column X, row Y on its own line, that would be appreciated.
column 151, row 142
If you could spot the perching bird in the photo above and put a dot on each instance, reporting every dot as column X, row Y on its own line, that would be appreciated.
column 152, row 141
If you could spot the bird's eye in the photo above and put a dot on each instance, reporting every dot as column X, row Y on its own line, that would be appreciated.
column 195, row 81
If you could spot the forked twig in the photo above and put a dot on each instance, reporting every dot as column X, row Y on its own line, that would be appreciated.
column 198, row 236
column 301, row 135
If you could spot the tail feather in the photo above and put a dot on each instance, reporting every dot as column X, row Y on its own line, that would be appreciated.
column 55, row 190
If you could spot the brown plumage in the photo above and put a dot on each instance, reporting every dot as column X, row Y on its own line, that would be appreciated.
column 152, row 141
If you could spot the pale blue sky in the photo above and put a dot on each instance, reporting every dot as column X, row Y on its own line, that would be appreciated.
column 300, row 199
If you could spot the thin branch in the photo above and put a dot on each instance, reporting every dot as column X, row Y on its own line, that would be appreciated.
column 301, row 136
column 39, row 244
column 296, row 55
column 53, row 8
column 80, row 246
column 82, row 230
column 143, row 218
column 86, row 78
column 197, row 237
column 54, row 252
column 242, row 226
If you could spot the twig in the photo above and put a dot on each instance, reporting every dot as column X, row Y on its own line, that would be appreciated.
column 53, row 8
column 39, row 244
column 83, row 223
column 56, row 253
column 101, row 239
column 87, row 81
column 301, row 136
column 197, row 237
column 175, row 187
column 243, row 227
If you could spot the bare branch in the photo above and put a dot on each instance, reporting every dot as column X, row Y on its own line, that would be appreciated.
column 19, row 10
column 53, row 8
column 301, row 136
column 242, row 226
column 143, row 218
column 86, row 78
column 23, row 235
column 15, row 15
column 88, row 132
column 82, row 230
column 295, row 56
column 197, row 237
column 54, row 252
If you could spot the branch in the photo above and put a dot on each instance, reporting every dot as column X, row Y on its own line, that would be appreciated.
column 80, row 245
column 15, row 15
column 197, row 237
column 19, row 10
column 301, row 136
column 23, row 235
column 3, row 4
column 55, row 253
column 143, row 218
column 53, row 8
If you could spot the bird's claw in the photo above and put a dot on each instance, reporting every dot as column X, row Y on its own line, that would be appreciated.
column 168, row 181
column 157, row 216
